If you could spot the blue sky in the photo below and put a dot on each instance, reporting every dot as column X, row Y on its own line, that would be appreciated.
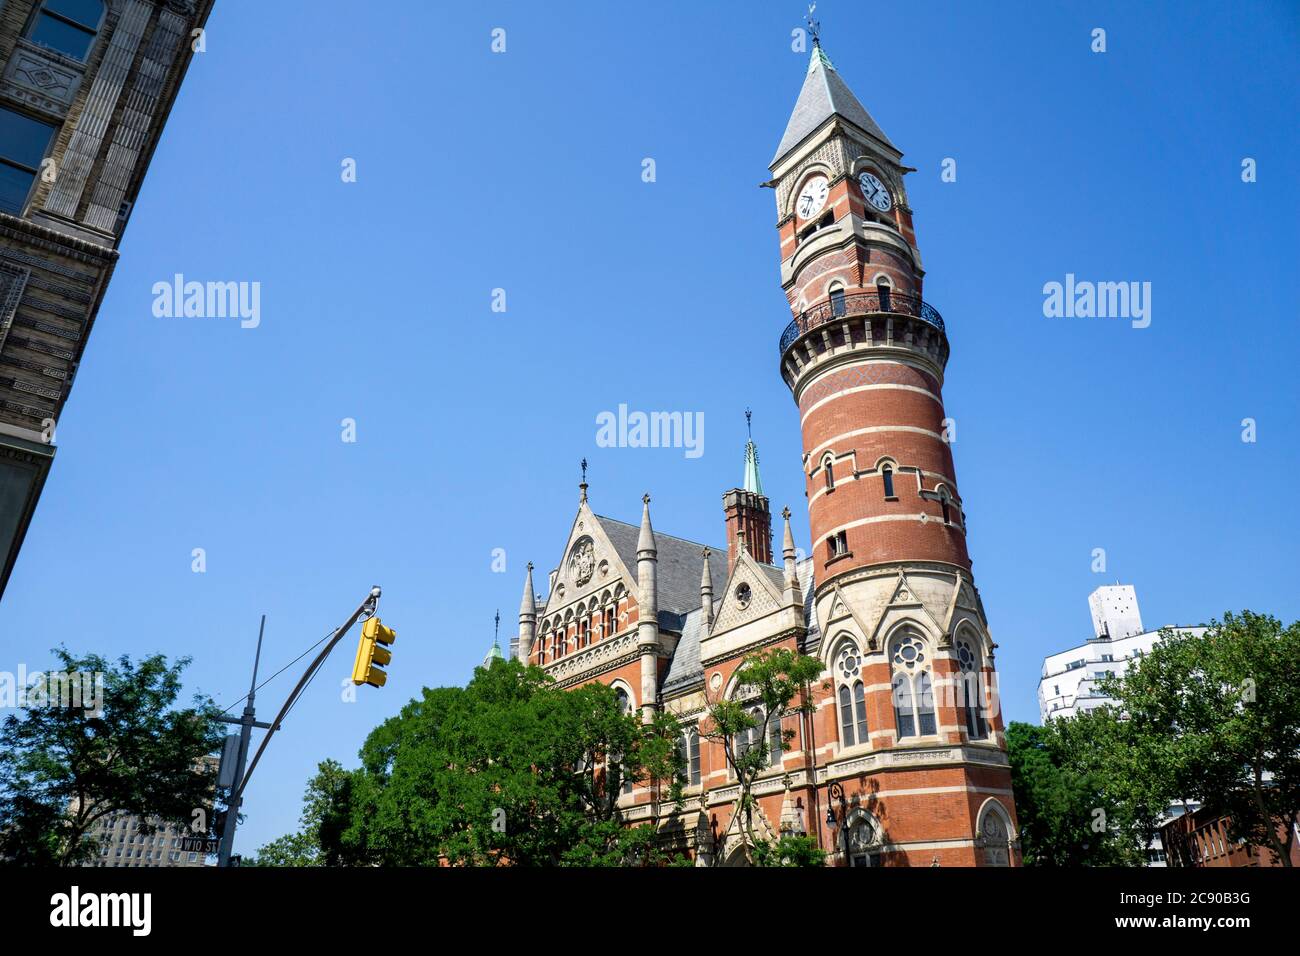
column 522, row 171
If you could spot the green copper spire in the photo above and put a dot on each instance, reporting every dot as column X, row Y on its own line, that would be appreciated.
column 753, row 483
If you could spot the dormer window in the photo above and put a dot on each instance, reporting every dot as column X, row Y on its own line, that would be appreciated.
column 67, row 26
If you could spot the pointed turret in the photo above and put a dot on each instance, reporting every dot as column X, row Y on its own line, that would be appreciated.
column 825, row 94
column 647, row 559
column 494, row 652
column 527, row 617
column 793, row 593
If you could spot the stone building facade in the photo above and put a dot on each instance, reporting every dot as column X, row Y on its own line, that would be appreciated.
column 903, row 761
column 85, row 88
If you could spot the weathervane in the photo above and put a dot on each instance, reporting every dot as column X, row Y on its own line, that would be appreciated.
column 749, row 416
column 814, row 26
column 582, row 488
column 496, row 632
column 584, row 469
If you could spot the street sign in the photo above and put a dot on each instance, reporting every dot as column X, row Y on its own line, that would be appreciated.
column 229, row 762
column 203, row 845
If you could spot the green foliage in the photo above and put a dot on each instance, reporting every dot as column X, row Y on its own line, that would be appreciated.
column 62, row 768
column 789, row 851
column 508, row 770
column 1214, row 719
column 325, row 818
column 1062, row 808
column 772, row 680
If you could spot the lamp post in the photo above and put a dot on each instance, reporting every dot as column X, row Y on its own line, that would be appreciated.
column 836, row 792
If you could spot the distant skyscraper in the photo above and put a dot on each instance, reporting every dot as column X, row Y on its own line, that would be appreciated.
column 85, row 88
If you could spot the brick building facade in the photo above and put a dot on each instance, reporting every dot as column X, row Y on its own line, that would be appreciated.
column 903, row 761
column 85, row 88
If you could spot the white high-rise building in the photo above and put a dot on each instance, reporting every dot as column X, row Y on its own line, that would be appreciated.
column 1071, row 677
column 1070, row 680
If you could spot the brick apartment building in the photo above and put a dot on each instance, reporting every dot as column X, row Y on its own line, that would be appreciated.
column 1203, row 838
column 903, row 762
column 85, row 88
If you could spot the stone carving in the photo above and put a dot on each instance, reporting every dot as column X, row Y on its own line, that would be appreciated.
column 582, row 561
column 41, row 79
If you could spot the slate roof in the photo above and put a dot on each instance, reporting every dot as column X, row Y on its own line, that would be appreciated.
column 679, row 568
column 824, row 94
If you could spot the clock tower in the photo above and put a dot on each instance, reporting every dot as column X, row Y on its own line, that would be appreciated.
column 915, row 717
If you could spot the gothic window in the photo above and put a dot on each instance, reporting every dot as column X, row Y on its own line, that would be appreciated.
column 943, row 503
column 67, row 26
column 608, row 622
column 852, row 696
column 882, row 290
column 863, row 843
column 828, row 465
column 995, row 838
column 624, row 707
column 887, row 473
column 584, row 632
column 688, row 745
column 23, row 142
column 913, row 688
column 753, row 737
column 972, row 696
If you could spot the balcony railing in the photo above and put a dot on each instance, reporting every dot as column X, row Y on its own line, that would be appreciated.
column 860, row 303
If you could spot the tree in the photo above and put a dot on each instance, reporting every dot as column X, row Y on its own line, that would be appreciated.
column 326, row 816
column 1216, row 718
column 789, row 851
column 64, row 767
column 508, row 770
column 1062, row 807
column 744, row 723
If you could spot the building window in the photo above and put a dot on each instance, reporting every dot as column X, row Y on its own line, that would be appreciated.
column 584, row 632
column 882, row 290
column 995, row 838
column 828, row 465
column 67, row 26
column 753, row 737
column 864, row 847
column 837, row 545
column 852, row 696
column 608, row 621
column 23, row 142
column 887, row 474
column 688, row 745
column 913, row 689
column 943, row 503
column 972, row 697
column 624, row 707
column 837, row 301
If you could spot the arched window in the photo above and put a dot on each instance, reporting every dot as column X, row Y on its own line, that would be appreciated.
column 887, row 474
column 584, row 632
column 852, row 696
column 913, row 688
column 688, row 745
column 828, row 466
column 994, row 836
column 753, row 737
column 608, row 629
column 943, row 503
column 837, row 300
column 624, row 702
column 67, row 26
column 863, row 841
column 882, row 290
column 972, row 697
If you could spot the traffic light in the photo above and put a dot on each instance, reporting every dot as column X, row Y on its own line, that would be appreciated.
column 370, row 656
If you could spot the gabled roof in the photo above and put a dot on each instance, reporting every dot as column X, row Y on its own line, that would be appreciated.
column 680, row 565
column 824, row 95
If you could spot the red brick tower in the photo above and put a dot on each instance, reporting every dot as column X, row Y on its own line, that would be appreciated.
column 902, row 628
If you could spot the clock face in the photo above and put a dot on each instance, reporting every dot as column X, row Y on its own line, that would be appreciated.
column 875, row 192
column 813, row 197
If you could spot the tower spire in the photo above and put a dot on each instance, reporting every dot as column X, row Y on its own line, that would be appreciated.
column 706, row 592
column 753, row 483
column 527, row 618
column 494, row 654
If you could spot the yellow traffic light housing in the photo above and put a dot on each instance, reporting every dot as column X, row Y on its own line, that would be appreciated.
column 370, row 656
